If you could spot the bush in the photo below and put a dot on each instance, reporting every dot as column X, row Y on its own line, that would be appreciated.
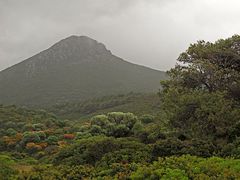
column 117, row 124
column 11, row 132
column 189, row 167
column 147, row 118
column 52, row 140
column 30, row 137
column 38, row 127
column 128, row 119
column 6, row 170
column 100, row 120
column 41, row 134
column 174, row 146
column 94, row 149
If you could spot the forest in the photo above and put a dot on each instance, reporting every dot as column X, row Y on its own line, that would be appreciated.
column 189, row 129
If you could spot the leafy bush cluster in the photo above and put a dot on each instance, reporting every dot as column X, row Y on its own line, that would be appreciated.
column 174, row 167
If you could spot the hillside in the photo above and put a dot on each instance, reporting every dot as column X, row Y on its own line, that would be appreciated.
column 74, row 69
column 137, row 103
column 18, row 119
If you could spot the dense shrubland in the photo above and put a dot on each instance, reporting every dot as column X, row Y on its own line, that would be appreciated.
column 137, row 103
column 195, row 134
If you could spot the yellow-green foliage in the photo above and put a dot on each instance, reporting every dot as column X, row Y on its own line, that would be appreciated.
column 6, row 167
column 189, row 167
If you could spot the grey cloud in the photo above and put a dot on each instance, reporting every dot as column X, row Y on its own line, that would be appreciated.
column 147, row 32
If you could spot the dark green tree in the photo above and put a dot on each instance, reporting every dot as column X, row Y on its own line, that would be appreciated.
column 202, row 95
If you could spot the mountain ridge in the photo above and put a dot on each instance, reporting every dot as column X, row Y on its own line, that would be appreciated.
column 75, row 67
column 71, row 37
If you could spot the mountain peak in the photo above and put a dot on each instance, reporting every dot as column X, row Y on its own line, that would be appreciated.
column 75, row 38
column 81, row 45
column 80, row 41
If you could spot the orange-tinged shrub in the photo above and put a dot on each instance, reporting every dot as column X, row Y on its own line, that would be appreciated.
column 43, row 144
column 62, row 144
column 38, row 147
column 9, row 140
column 66, row 128
column 12, row 140
column 19, row 136
column 68, row 136
column 32, row 145
column 49, row 131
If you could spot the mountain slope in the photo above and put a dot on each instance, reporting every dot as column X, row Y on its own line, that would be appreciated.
column 76, row 68
column 137, row 103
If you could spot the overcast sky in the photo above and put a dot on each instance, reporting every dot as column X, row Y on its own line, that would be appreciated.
column 146, row 32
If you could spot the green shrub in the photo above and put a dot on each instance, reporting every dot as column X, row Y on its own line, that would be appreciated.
column 189, row 167
column 147, row 118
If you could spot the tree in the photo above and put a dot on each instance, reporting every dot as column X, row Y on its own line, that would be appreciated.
column 210, row 66
column 198, row 98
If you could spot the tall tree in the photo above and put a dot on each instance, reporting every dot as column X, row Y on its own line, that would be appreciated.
column 203, row 93
column 210, row 66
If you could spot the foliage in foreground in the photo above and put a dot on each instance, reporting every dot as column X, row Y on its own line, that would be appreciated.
column 182, row 167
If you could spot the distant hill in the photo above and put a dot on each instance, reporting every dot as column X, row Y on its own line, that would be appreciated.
column 76, row 68
column 137, row 103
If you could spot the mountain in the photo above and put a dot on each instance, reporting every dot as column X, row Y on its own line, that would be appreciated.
column 75, row 68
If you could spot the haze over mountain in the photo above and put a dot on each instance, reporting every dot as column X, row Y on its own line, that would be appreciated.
column 74, row 69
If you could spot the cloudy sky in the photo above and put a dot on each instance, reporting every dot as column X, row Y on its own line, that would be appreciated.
column 147, row 32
